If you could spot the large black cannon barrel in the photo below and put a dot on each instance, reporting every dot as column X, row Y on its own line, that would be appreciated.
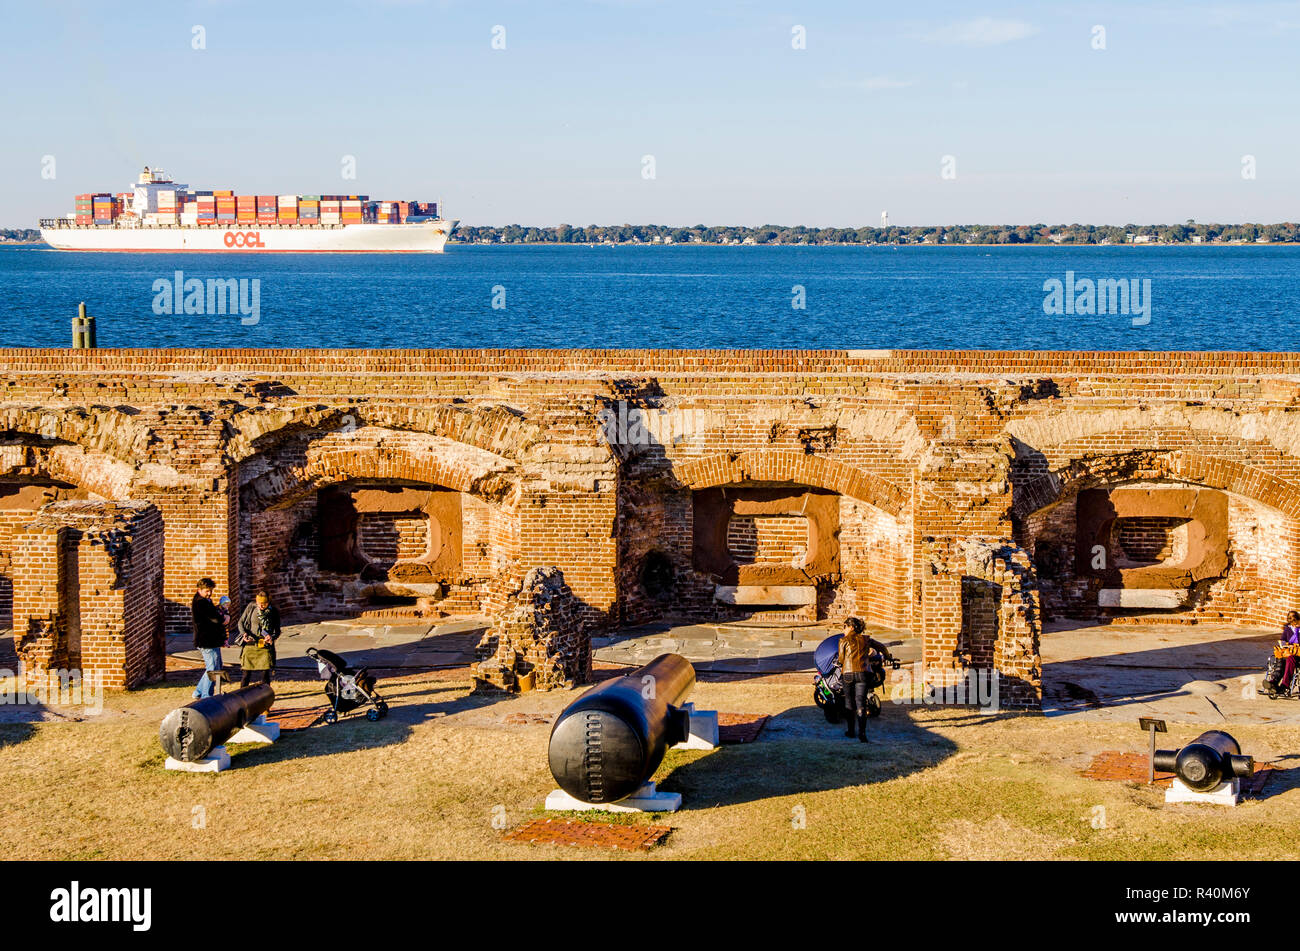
column 1212, row 758
column 610, row 740
column 189, row 733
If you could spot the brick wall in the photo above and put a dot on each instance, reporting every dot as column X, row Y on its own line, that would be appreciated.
column 926, row 450
column 88, row 591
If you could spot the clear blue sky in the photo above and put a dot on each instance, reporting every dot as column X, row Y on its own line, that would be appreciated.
column 744, row 129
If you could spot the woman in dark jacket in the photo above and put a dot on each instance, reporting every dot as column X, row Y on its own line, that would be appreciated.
column 854, row 658
column 259, row 628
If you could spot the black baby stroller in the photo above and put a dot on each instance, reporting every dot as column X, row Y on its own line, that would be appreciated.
column 1275, row 669
column 828, row 688
column 346, row 688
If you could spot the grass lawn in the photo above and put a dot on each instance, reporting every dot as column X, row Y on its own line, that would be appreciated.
column 445, row 775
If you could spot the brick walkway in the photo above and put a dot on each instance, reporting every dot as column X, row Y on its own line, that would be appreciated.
column 594, row 835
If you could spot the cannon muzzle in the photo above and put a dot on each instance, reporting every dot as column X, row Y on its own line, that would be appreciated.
column 609, row 741
column 190, row 733
column 1212, row 758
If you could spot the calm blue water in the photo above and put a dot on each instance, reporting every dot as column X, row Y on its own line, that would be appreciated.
column 736, row 297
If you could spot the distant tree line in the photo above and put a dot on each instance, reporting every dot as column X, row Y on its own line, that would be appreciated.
column 1189, row 233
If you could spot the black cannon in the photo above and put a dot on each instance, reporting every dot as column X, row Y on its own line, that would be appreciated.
column 190, row 733
column 609, row 741
column 1212, row 758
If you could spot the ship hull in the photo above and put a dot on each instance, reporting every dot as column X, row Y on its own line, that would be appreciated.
column 428, row 237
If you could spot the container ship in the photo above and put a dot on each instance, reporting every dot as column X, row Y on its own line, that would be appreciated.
column 159, row 214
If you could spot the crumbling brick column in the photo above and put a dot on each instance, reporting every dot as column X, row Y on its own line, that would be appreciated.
column 1004, row 636
column 539, row 641
column 39, row 589
column 88, row 591
column 977, row 596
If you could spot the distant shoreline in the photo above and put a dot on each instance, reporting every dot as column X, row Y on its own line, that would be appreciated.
column 825, row 244
column 861, row 244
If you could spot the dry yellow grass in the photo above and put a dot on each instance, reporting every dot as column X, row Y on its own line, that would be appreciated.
column 443, row 775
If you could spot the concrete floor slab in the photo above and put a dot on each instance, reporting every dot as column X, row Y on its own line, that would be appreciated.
column 737, row 647
column 405, row 644
column 1202, row 674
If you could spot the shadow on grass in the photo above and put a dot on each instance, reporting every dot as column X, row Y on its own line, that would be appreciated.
column 11, row 734
column 799, row 752
column 410, row 704
column 1280, row 781
column 18, row 720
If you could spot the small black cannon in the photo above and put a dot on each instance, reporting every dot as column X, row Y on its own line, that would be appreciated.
column 190, row 733
column 609, row 741
column 1212, row 758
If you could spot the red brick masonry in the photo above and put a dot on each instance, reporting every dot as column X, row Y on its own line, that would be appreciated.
column 954, row 479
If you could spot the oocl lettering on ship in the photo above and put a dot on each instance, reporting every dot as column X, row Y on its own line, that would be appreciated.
column 244, row 239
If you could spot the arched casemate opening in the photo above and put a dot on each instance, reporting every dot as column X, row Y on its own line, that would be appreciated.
column 765, row 535
column 396, row 523
column 1191, row 539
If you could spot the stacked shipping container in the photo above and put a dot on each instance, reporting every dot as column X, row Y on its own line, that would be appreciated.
column 102, row 208
column 206, row 204
column 266, row 209
column 225, row 208
column 85, row 209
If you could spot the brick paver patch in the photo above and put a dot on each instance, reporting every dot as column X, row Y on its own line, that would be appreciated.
column 523, row 719
column 595, row 835
column 1114, row 766
column 740, row 727
column 296, row 718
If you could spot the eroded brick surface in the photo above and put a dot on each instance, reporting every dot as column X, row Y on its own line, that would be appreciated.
column 430, row 483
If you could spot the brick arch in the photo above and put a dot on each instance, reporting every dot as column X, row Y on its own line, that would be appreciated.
column 101, row 429
column 783, row 466
column 495, row 429
column 96, row 472
column 1182, row 465
column 337, row 464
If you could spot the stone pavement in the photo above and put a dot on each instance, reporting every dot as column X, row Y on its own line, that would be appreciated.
column 737, row 647
column 394, row 643
column 1201, row 673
